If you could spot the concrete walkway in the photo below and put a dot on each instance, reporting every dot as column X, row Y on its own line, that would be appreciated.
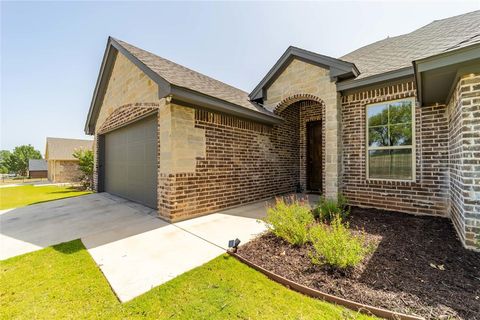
column 135, row 264
column 135, row 250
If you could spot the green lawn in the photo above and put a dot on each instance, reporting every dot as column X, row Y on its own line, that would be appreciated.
column 13, row 197
column 63, row 282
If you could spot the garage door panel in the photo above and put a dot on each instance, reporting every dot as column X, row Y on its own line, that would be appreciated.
column 151, row 157
column 137, row 152
column 131, row 162
column 136, row 134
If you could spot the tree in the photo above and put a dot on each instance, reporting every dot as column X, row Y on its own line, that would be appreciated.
column 18, row 161
column 85, row 163
column 5, row 161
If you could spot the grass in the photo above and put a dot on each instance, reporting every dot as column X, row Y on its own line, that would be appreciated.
column 63, row 282
column 13, row 197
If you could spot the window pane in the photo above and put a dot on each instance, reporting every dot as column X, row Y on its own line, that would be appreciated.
column 378, row 136
column 401, row 112
column 390, row 164
column 377, row 115
column 401, row 135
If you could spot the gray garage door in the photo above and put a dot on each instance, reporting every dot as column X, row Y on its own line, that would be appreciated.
column 131, row 162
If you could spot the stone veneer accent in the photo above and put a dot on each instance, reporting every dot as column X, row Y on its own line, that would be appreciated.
column 63, row 171
column 428, row 193
column 464, row 159
column 127, row 85
column 181, row 143
column 307, row 80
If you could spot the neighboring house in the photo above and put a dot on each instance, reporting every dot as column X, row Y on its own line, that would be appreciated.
column 37, row 168
column 62, row 166
column 393, row 125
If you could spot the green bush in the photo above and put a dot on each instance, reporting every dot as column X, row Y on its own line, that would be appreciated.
column 327, row 209
column 289, row 220
column 85, row 164
column 335, row 245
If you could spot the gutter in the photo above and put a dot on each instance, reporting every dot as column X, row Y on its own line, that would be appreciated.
column 194, row 98
column 375, row 79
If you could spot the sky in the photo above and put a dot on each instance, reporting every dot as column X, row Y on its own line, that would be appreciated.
column 51, row 51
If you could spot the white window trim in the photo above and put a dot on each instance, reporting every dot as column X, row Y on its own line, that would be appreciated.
column 413, row 146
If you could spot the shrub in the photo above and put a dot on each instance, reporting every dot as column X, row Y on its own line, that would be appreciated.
column 85, row 164
column 336, row 246
column 289, row 220
column 327, row 209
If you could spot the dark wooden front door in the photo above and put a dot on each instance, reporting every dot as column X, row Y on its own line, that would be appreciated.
column 314, row 156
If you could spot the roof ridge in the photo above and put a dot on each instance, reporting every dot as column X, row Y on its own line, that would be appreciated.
column 179, row 65
column 456, row 16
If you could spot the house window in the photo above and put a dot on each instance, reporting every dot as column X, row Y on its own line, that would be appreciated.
column 390, row 140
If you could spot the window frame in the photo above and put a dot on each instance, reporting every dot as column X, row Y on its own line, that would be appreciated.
column 412, row 146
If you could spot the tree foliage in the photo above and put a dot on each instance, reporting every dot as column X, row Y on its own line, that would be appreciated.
column 85, row 163
column 17, row 161
column 5, row 161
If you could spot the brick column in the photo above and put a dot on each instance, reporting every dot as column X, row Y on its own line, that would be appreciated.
column 470, row 106
column 181, row 143
column 464, row 159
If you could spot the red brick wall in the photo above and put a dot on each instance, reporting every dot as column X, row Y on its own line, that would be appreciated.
column 245, row 161
column 428, row 194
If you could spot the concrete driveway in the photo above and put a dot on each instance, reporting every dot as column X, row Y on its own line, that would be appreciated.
column 135, row 250
column 41, row 225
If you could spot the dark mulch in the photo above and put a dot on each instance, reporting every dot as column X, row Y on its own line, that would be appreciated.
column 403, row 274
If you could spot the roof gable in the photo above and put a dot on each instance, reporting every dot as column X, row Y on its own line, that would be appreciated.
column 338, row 68
column 62, row 149
column 174, row 80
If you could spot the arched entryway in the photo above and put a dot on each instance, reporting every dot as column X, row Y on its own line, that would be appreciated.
column 304, row 123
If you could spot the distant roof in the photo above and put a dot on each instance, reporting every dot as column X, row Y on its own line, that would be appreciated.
column 62, row 149
column 37, row 165
column 398, row 52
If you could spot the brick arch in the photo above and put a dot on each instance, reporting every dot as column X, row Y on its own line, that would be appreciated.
column 296, row 98
column 127, row 113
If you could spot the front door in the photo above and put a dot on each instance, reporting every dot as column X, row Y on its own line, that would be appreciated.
column 314, row 156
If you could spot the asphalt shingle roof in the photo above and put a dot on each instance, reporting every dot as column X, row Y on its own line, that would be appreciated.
column 399, row 52
column 62, row 149
column 184, row 77
column 37, row 165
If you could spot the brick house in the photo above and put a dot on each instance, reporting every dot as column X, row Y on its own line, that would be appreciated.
column 61, row 164
column 37, row 168
column 393, row 125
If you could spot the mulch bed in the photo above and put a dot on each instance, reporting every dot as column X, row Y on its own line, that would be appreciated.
column 419, row 266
